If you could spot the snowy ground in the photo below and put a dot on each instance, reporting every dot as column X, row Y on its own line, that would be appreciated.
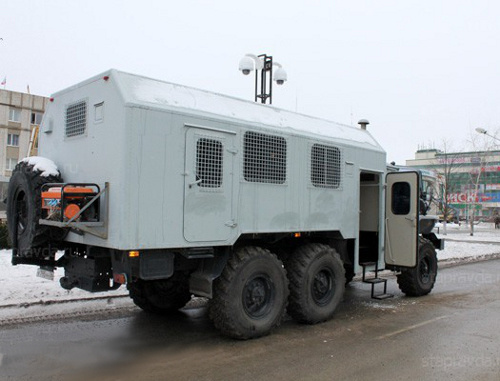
column 19, row 284
column 461, row 245
column 24, row 295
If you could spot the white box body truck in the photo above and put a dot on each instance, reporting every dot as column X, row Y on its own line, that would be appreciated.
column 176, row 191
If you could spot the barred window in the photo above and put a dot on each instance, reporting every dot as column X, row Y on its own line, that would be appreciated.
column 209, row 163
column 325, row 166
column 76, row 119
column 264, row 158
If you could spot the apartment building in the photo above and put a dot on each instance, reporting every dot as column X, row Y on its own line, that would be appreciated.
column 19, row 113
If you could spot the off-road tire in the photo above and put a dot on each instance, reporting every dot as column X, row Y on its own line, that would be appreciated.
column 162, row 296
column 420, row 280
column 317, row 283
column 251, row 294
column 349, row 273
column 24, row 202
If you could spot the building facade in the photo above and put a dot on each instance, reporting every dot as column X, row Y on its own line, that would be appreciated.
column 474, row 179
column 19, row 114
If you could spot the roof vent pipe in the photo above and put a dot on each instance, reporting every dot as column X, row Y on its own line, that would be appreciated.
column 363, row 123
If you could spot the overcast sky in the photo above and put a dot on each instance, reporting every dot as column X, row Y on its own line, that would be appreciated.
column 419, row 71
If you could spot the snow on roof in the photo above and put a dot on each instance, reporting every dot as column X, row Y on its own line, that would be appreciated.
column 147, row 92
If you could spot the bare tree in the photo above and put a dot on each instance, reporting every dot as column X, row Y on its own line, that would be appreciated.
column 482, row 146
column 449, row 164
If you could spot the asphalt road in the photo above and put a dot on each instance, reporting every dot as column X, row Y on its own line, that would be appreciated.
column 451, row 334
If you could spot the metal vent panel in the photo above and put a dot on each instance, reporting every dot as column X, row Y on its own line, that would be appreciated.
column 264, row 158
column 76, row 119
column 326, row 170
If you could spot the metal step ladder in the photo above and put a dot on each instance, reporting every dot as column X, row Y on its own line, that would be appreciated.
column 374, row 281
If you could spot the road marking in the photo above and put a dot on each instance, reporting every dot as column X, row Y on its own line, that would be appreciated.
column 411, row 327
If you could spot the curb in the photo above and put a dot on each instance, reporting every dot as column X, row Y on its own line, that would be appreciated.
column 452, row 262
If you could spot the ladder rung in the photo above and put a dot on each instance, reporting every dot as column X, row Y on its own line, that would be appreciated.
column 375, row 280
column 382, row 296
column 366, row 264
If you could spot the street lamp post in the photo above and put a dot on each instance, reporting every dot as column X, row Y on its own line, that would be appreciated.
column 480, row 130
column 263, row 64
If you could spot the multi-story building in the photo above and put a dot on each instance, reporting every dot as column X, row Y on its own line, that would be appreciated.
column 473, row 177
column 19, row 114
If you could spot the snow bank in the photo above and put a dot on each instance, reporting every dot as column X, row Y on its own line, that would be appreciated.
column 41, row 164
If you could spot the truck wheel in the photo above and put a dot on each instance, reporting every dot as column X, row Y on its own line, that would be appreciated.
column 420, row 280
column 161, row 296
column 24, row 202
column 317, row 283
column 349, row 273
column 251, row 294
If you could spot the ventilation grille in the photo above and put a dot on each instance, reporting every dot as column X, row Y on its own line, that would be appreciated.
column 325, row 166
column 264, row 158
column 209, row 163
column 76, row 119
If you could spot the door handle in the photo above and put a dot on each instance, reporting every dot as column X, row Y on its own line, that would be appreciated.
column 412, row 219
column 231, row 224
column 195, row 183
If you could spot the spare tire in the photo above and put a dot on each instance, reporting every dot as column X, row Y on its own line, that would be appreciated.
column 24, row 205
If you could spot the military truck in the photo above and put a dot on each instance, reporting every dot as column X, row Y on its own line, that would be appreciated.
column 175, row 191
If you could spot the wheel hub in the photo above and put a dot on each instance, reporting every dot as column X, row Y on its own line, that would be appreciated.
column 257, row 296
column 425, row 271
column 322, row 287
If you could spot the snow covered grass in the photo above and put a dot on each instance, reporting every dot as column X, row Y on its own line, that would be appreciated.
column 459, row 244
column 483, row 232
column 464, row 250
